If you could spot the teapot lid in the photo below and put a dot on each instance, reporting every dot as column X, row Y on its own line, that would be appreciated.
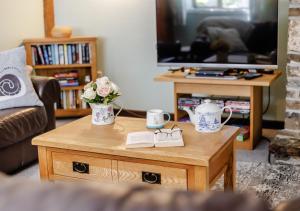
column 208, row 106
column 207, row 101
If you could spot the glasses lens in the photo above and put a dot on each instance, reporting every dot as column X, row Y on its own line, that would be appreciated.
column 176, row 134
column 162, row 136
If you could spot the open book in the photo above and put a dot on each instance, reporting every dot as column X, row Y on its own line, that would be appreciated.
column 150, row 139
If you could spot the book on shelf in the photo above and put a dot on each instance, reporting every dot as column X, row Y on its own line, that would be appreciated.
column 69, row 51
column 53, row 54
column 70, row 78
column 56, row 55
column 60, row 54
column 70, row 99
column 74, row 54
column 40, row 55
column 34, row 52
column 45, row 54
column 67, row 82
column 50, row 57
column 66, row 54
column 80, row 54
column 237, row 106
column 244, row 133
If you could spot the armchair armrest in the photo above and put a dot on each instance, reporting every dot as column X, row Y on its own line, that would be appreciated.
column 48, row 90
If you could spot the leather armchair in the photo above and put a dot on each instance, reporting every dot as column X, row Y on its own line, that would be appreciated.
column 48, row 90
column 19, row 125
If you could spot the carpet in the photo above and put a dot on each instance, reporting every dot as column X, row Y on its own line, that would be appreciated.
column 274, row 183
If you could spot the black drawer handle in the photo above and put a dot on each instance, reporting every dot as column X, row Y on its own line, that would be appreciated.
column 82, row 168
column 151, row 178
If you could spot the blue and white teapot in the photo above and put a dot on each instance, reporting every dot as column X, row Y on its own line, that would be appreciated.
column 207, row 117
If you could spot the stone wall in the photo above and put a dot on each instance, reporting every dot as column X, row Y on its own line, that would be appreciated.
column 292, row 120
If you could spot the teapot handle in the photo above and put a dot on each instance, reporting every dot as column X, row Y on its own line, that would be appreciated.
column 230, row 110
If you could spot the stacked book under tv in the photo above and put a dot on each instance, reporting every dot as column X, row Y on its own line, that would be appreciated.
column 72, row 61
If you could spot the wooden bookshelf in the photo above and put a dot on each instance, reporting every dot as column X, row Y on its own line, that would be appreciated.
column 83, row 69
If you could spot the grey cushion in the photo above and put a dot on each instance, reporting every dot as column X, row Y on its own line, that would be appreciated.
column 16, row 89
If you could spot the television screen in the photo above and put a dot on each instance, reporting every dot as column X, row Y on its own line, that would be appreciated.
column 234, row 33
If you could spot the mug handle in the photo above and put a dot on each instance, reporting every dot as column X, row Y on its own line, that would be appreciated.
column 120, row 109
column 169, row 117
column 226, row 107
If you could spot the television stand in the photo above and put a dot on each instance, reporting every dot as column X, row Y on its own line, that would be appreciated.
column 241, row 87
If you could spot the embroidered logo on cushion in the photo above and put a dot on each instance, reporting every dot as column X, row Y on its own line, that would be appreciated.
column 11, row 85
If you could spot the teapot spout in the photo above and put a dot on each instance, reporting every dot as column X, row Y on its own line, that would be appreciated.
column 191, row 114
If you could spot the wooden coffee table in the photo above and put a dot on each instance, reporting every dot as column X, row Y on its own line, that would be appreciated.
column 82, row 151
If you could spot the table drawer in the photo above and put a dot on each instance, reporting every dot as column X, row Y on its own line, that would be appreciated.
column 129, row 172
column 83, row 167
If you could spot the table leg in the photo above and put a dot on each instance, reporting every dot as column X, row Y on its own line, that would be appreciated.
column 198, row 179
column 229, row 175
column 43, row 165
column 255, row 115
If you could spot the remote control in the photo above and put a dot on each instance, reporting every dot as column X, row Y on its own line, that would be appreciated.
column 250, row 76
column 266, row 71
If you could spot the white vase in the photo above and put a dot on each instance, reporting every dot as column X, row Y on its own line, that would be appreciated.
column 103, row 114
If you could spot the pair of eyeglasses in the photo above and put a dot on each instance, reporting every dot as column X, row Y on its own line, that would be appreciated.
column 168, row 134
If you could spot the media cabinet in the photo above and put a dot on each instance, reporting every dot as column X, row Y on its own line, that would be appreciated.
column 241, row 87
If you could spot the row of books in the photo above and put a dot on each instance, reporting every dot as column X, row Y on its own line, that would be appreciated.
column 237, row 106
column 70, row 99
column 61, row 54
column 70, row 78
column 242, row 107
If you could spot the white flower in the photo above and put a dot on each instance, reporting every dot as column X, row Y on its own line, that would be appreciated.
column 89, row 94
column 103, row 90
column 114, row 87
column 89, row 85
column 102, row 81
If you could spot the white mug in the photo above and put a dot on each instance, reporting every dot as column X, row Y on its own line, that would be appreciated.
column 155, row 118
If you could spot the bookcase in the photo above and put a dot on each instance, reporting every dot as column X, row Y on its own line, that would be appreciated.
column 72, row 61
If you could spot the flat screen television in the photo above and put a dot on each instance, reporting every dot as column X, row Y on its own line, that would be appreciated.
column 217, row 33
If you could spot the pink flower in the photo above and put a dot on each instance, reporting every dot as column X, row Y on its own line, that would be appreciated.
column 103, row 90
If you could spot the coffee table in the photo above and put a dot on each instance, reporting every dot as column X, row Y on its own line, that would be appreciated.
column 86, row 152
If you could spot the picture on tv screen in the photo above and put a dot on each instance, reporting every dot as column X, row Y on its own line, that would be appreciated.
column 217, row 31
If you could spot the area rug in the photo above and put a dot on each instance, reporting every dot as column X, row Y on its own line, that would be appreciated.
column 274, row 183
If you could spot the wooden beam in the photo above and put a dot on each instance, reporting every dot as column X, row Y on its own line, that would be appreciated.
column 49, row 20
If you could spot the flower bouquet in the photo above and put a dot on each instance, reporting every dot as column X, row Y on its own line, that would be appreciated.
column 100, row 95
